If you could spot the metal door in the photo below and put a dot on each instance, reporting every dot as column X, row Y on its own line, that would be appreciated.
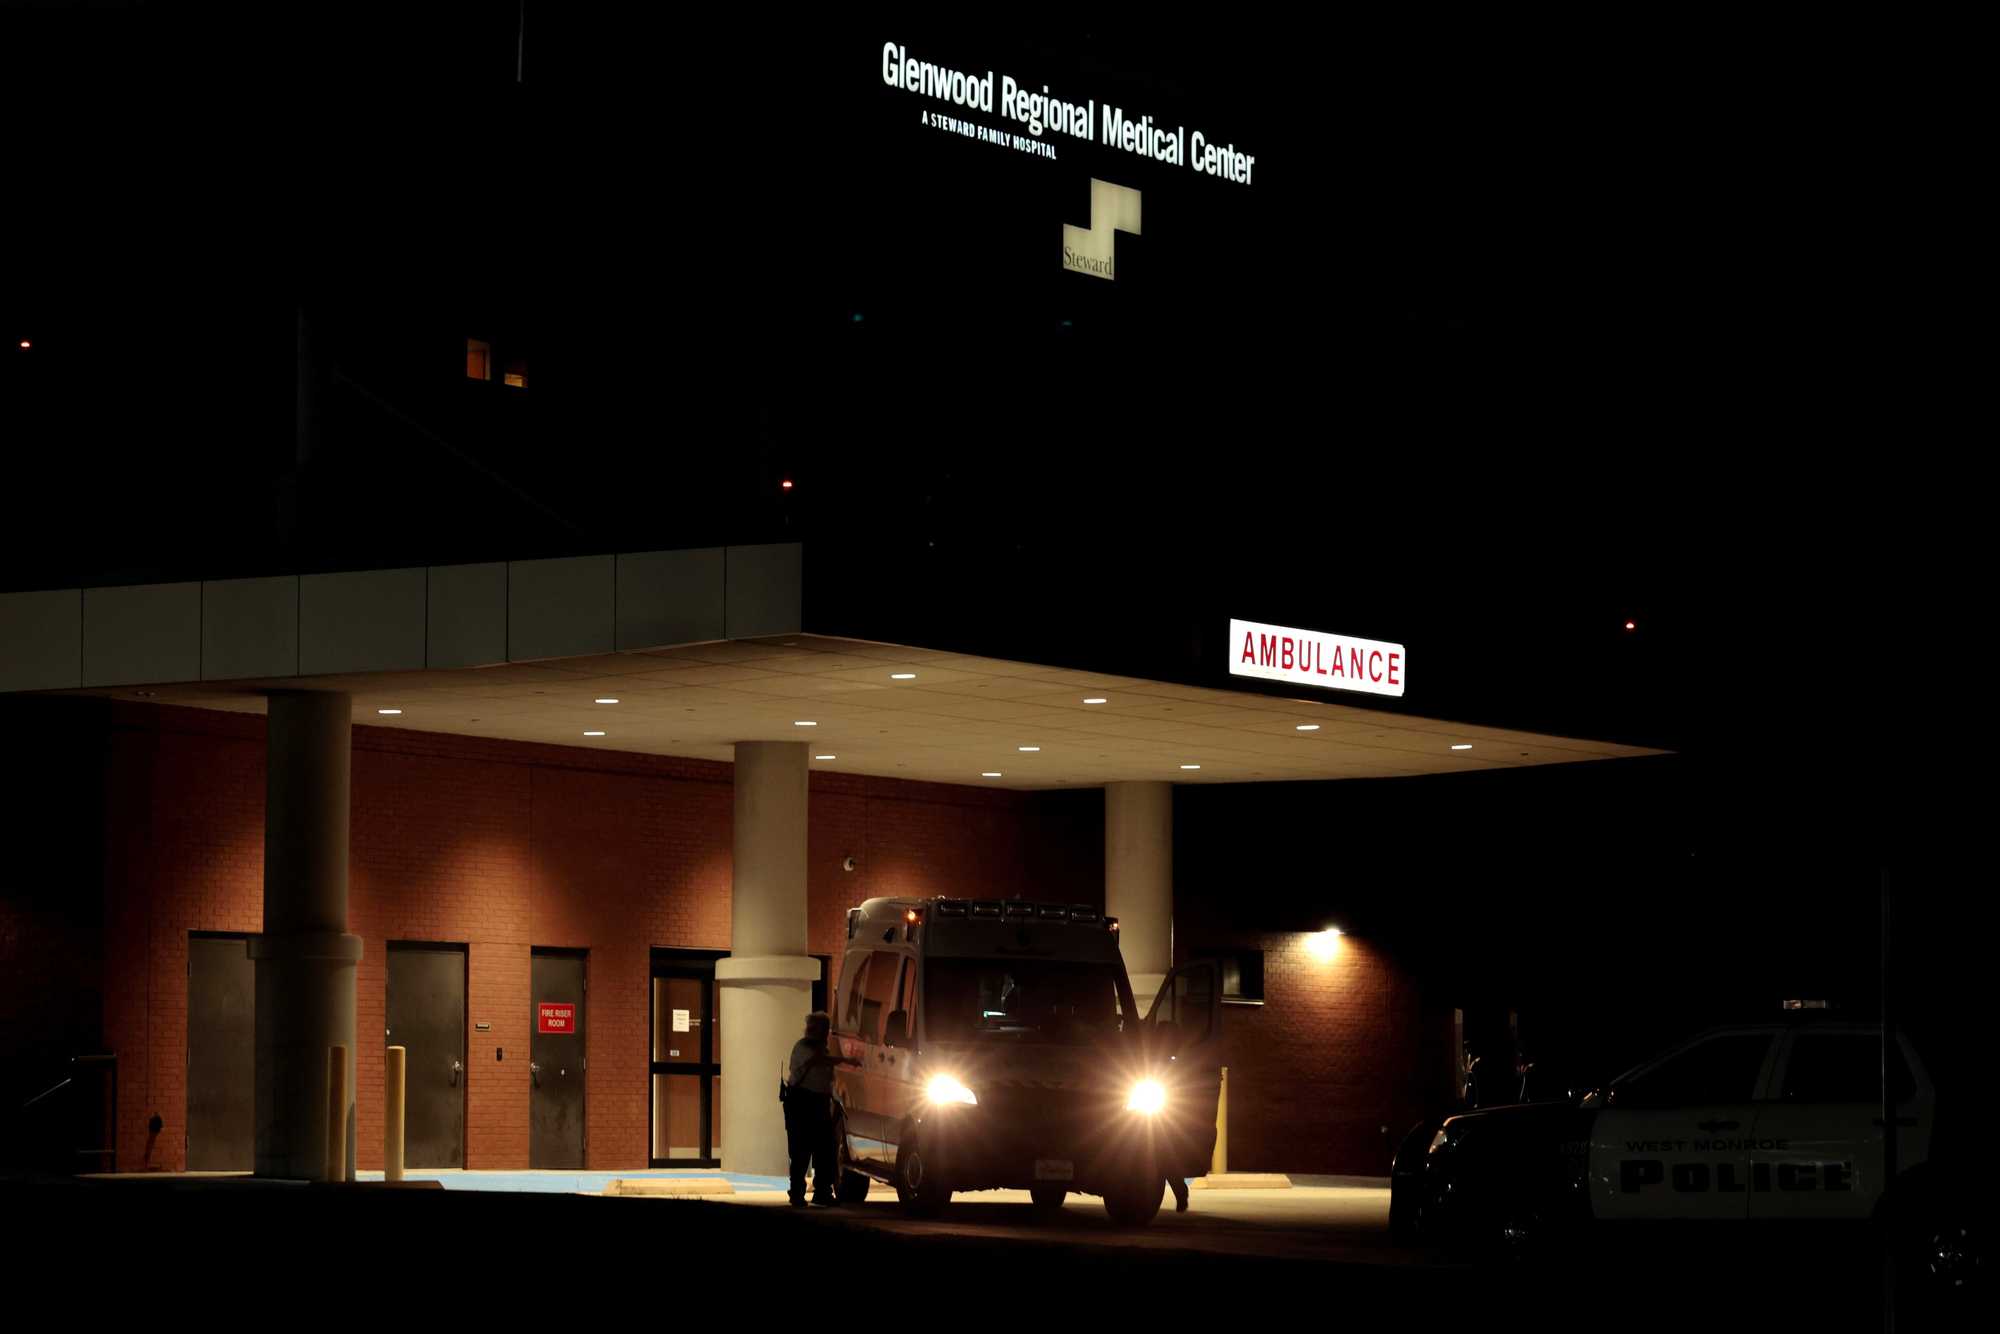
column 427, row 1017
column 221, row 1055
column 555, row 1061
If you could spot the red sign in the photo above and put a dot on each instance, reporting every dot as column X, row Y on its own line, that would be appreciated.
column 555, row 1017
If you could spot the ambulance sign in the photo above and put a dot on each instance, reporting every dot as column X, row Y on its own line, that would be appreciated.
column 555, row 1017
column 1313, row 658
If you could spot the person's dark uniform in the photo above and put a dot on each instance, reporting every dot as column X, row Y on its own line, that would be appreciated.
column 1178, row 1185
column 809, row 1113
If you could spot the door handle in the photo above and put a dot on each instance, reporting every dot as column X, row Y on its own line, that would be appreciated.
column 535, row 1072
column 457, row 1069
column 1712, row 1126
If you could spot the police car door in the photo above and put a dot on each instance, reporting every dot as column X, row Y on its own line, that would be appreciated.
column 1184, row 1041
column 1819, row 1142
column 1672, row 1140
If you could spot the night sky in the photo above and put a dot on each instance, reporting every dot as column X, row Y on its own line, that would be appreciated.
column 1515, row 337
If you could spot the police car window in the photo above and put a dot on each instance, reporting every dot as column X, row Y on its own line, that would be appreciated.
column 1035, row 1000
column 1843, row 1067
column 1722, row 1069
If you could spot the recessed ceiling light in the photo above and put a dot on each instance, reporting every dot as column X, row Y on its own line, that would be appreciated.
column 902, row 676
column 1190, row 766
column 1027, row 750
column 1308, row 727
column 826, row 757
column 607, row 701
column 992, row 773
column 1097, row 700
column 1465, row 745
column 388, row 713
column 805, row 722
column 593, row 734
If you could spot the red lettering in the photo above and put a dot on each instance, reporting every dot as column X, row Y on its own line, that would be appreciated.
column 1319, row 658
column 1249, row 651
column 1338, row 670
column 1374, row 657
column 1267, row 651
column 1392, row 669
column 1285, row 659
column 1354, row 660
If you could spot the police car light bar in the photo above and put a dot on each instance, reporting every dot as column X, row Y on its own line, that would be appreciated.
column 951, row 907
column 1807, row 1005
column 986, row 908
column 1084, row 914
column 1018, row 908
column 1053, row 912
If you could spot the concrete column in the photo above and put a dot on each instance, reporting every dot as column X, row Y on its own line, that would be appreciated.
column 305, row 958
column 766, row 983
column 1139, row 880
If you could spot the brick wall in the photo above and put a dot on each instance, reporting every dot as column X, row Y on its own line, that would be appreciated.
column 1341, row 1048
column 503, row 847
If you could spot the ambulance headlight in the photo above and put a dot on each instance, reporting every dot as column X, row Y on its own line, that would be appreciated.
column 943, row 1091
column 1146, row 1097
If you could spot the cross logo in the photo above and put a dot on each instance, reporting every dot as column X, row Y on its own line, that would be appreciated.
column 1113, row 208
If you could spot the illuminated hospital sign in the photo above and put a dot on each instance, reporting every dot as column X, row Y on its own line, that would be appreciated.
column 1310, row 658
column 1039, row 113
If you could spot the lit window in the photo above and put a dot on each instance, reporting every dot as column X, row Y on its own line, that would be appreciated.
column 478, row 359
column 517, row 372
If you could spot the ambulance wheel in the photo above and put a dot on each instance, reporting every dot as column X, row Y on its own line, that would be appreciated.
column 1047, row 1200
column 922, row 1194
column 1135, row 1204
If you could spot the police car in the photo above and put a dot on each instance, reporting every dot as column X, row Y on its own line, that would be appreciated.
column 1777, row 1122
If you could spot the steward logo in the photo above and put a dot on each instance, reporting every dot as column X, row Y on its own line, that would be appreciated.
column 1113, row 208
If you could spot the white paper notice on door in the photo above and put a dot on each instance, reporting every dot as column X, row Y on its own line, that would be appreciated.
column 681, row 1021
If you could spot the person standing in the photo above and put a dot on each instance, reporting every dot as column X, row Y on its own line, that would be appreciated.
column 809, row 1112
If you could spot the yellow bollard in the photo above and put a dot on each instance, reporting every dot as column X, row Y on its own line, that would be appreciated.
column 1221, row 1164
column 336, row 1114
column 392, row 1114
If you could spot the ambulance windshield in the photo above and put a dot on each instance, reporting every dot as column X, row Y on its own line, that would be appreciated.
column 1034, row 1000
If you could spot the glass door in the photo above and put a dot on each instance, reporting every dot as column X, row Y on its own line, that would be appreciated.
column 686, row 1064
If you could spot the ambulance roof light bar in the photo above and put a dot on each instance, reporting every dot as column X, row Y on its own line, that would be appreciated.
column 1082, row 914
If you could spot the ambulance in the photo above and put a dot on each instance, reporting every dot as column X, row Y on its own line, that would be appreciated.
column 1000, row 1048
